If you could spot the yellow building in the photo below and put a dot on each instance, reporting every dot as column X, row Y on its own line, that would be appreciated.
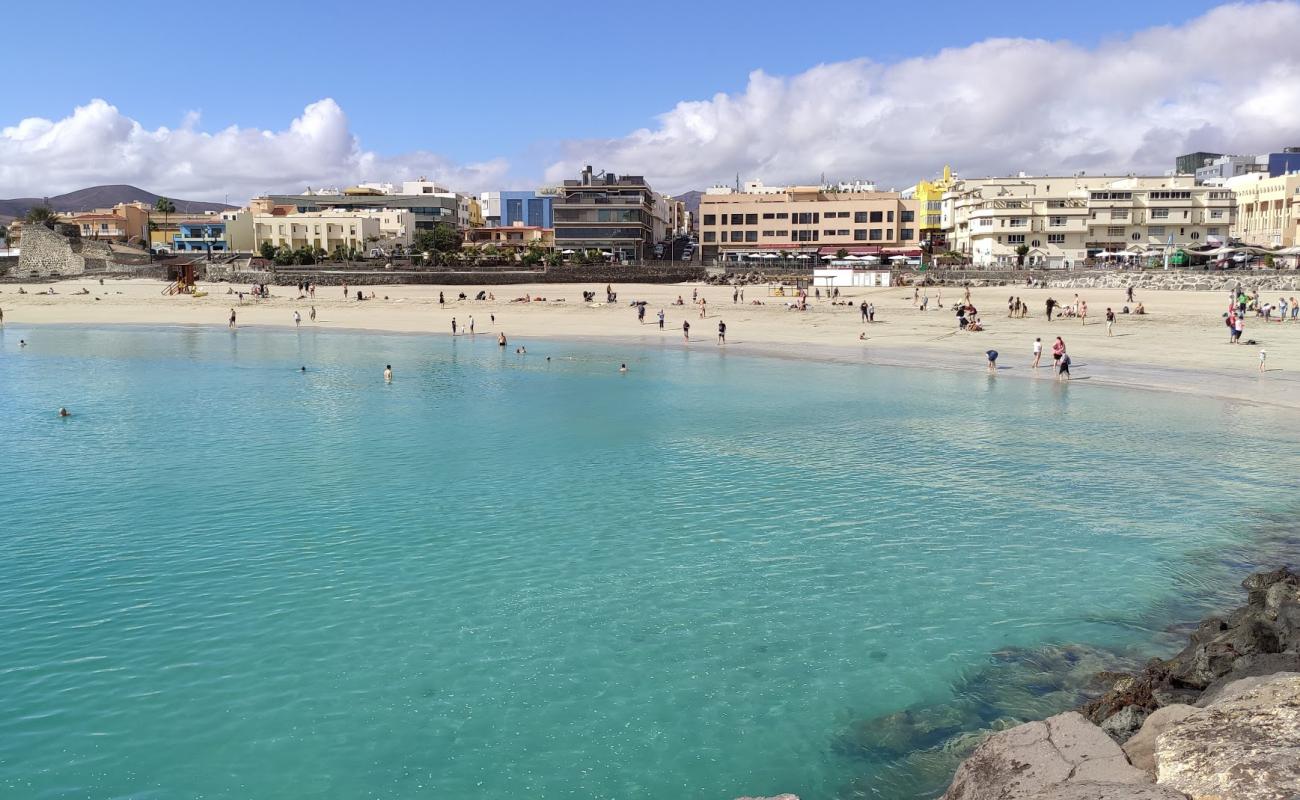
column 475, row 213
column 929, row 202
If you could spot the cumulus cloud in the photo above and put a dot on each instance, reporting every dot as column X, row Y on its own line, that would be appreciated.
column 98, row 144
column 1228, row 81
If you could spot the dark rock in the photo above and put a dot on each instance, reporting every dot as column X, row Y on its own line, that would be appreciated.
column 1252, row 666
column 1121, row 725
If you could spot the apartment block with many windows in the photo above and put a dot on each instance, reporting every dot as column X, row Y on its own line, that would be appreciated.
column 1268, row 209
column 615, row 214
column 805, row 220
column 1062, row 221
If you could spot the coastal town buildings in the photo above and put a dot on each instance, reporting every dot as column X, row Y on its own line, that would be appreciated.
column 1222, row 168
column 615, row 214
column 119, row 223
column 515, row 237
column 805, row 220
column 1188, row 163
column 427, row 204
column 1268, row 209
column 929, row 201
column 326, row 231
column 1059, row 221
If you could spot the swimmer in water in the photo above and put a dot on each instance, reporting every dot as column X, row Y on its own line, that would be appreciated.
column 622, row 367
column 304, row 369
column 388, row 374
column 63, row 412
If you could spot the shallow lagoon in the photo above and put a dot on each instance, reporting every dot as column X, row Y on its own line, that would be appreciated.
column 501, row 575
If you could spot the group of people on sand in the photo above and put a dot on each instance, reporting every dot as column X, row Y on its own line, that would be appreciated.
column 1016, row 308
column 1076, row 310
column 1060, row 358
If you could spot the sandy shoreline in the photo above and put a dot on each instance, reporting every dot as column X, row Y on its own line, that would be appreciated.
column 1180, row 345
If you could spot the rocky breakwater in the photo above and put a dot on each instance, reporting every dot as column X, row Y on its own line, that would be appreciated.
column 1180, row 280
column 1218, row 721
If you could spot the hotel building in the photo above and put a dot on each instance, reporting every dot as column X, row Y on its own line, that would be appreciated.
column 1061, row 221
column 1268, row 210
column 805, row 221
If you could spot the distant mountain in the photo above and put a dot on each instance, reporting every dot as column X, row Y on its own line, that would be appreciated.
column 692, row 200
column 101, row 197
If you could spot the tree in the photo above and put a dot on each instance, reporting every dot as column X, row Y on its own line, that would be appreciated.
column 165, row 207
column 841, row 254
column 1021, row 252
column 267, row 250
column 41, row 215
column 1269, row 260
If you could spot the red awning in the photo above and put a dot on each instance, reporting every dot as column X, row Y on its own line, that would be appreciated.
column 860, row 250
column 903, row 251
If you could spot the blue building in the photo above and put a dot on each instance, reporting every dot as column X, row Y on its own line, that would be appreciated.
column 1284, row 162
column 200, row 236
column 526, row 208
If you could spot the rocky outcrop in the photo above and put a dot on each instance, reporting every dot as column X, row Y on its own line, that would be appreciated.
column 1260, row 638
column 1245, row 744
column 1042, row 759
column 1141, row 748
column 62, row 252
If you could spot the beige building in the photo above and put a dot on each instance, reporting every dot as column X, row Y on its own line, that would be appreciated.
column 323, row 230
column 1268, row 209
column 515, row 237
column 1062, row 221
column 121, row 222
column 807, row 221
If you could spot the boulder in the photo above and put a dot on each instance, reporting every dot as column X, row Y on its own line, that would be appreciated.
column 1123, row 724
column 1090, row 790
column 1141, row 747
column 1259, row 665
column 1032, row 758
column 1245, row 744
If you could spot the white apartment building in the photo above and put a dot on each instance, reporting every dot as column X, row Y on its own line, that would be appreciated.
column 1268, row 209
column 1063, row 220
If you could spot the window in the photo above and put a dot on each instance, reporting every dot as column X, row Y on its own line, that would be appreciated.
column 1036, row 243
column 1159, row 213
column 828, row 232
column 1195, row 235
column 1170, row 195
column 737, row 219
column 751, row 219
column 859, row 216
column 1211, row 231
column 1014, row 204
column 877, row 234
column 766, row 234
column 782, row 215
column 907, row 234
column 710, row 237
column 842, row 232
column 1056, row 238
column 769, row 215
column 877, row 216
column 889, row 216
column 1115, row 230
column 907, row 216
column 737, row 236
column 710, row 219
column 1056, row 222
column 751, row 236
column 1055, row 204
column 1157, row 230
column 1137, row 237
column 1119, row 213
column 804, row 218
column 780, row 234
column 986, row 222
column 805, row 236
column 1016, row 238
column 860, row 234
column 1018, row 222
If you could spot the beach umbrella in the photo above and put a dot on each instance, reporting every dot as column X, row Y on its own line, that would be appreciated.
column 566, row 252
column 803, row 257
column 771, row 256
column 827, row 257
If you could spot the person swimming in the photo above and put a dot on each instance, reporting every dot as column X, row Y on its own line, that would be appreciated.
column 388, row 374
column 622, row 367
column 63, row 412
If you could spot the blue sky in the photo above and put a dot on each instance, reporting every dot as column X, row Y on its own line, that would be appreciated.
column 516, row 93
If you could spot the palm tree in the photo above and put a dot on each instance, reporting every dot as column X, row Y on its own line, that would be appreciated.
column 41, row 215
column 165, row 207
column 1021, row 252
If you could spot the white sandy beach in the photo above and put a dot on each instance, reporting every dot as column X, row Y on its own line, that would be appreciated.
column 1180, row 344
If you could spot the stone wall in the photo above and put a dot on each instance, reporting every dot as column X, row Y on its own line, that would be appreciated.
column 1181, row 280
column 63, row 253
column 238, row 272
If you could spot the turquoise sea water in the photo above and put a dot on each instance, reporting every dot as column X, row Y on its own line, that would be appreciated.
column 501, row 576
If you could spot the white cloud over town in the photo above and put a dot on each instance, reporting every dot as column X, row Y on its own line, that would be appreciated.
column 1227, row 81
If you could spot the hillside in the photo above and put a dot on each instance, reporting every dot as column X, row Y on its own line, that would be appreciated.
column 692, row 200
column 101, row 197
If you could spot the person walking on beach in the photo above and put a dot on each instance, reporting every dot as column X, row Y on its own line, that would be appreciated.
column 1063, row 371
column 871, row 312
column 695, row 295
column 1083, row 312
column 1238, row 328
column 742, row 295
column 640, row 313
column 1038, row 351
column 345, row 290
column 1051, row 304
column 1129, row 293
column 864, row 310
column 313, row 309
column 916, row 295
column 1110, row 320
column 388, row 374
column 704, row 309
column 938, row 296
column 1058, row 353
column 232, row 318
column 471, row 325
column 735, row 295
column 1263, row 356
column 297, row 319
column 722, row 332
column 661, row 319
column 686, row 331
column 453, row 326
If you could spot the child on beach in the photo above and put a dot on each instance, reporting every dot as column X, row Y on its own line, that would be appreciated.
column 1038, row 350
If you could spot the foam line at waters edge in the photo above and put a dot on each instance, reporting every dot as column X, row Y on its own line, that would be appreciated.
column 1275, row 392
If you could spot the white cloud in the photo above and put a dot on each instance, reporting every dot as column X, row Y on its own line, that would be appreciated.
column 98, row 144
column 1228, row 81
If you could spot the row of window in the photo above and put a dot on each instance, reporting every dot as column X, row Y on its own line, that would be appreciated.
column 1059, row 238
column 859, row 235
column 807, row 217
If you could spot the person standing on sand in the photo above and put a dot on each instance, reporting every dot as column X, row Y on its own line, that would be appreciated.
column 938, row 296
column 864, row 310
column 1129, row 294
column 1083, row 312
column 1038, row 351
column 1263, row 355
column 232, row 318
column 1110, row 320
column 313, row 309
column 704, row 309
column 297, row 319
column 640, row 313
column 742, row 295
column 695, row 295
column 1058, row 353
column 1051, row 304
column 345, row 290
column 916, row 294
column 471, row 325
column 661, row 319
column 686, row 331
column 1238, row 328
column 441, row 299
column 735, row 295
column 722, row 332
